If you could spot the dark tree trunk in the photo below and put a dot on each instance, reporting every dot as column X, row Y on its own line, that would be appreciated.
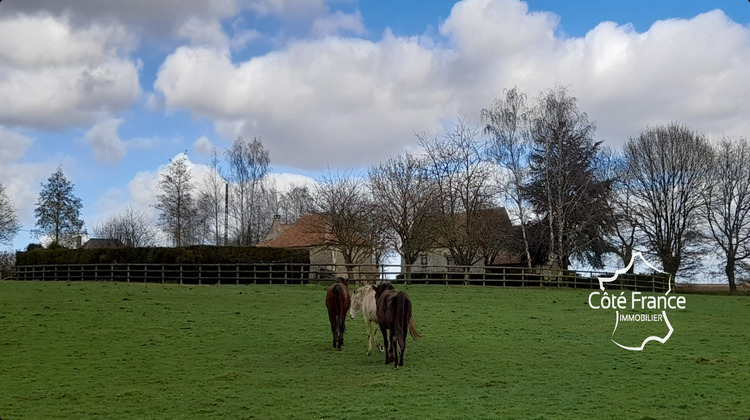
column 729, row 269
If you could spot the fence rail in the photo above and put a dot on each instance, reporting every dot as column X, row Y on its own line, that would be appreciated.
column 290, row 273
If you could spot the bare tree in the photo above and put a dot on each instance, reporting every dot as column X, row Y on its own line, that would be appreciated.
column 463, row 187
column 296, row 203
column 666, row 177
column 176, row 204
column 404, row 199
column 623, row 236
column 565, row 187
column 9, row 225
column 211, row 201
column 507, row 125
column 348, row 213
column 132, row 227
column 248, row 166
column 727, row 203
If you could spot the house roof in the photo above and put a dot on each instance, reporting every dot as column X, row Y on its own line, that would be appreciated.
column 99, row 243
column 308, row 231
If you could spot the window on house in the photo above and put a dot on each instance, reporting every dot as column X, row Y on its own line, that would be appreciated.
column 423, row 259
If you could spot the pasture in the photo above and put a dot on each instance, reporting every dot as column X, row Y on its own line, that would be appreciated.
column 116, row 350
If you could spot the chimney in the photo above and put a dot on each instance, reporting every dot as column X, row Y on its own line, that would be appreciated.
column 275, row 230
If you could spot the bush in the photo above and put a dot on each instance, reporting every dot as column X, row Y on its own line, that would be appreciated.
column 7, row 260
column 191, row 255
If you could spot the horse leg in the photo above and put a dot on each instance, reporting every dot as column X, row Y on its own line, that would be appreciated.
column 393, row 351
column 368, row 323
column 342, row 328
column 402, row 345
column 385, row 343
column 333, row 329
column 379, row 345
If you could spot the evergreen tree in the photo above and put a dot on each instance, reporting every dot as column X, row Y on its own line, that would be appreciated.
column 58, row 210
column 565, row 186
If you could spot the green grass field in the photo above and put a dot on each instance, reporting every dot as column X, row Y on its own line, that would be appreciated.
column 108, row 350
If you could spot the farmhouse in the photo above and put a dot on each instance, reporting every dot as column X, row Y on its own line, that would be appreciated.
column 494, row 235
column 312, row 232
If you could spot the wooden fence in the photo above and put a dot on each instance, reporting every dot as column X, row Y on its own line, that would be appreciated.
column 289, row 273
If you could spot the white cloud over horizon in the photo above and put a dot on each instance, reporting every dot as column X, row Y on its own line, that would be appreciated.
column 56, row 75
column 346, row 101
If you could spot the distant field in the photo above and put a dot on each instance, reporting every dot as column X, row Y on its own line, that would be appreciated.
column 108, row 350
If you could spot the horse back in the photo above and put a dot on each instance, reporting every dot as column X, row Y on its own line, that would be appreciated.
column 337, row 298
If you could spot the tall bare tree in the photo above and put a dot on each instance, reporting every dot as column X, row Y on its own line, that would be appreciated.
column 507, row 126
column 463, row 187
column 58, row 210
column 211, row 201
column 727, row 203
column 295, row 203
column 666, row 177
column 623, row 236
column 404, row 199
column 132, row 227
column 348, row 214
column 564, row 186
column 9, row 225
column 248, row 166
column 176, row 204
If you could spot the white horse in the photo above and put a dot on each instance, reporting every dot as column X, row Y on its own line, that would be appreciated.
column 363, row 299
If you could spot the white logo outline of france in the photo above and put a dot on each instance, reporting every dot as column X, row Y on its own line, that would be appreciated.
column 603, row 280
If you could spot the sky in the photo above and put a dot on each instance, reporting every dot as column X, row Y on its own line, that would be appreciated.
column 112, row 90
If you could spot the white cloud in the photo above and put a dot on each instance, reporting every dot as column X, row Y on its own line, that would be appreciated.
column 22, row 183
column 203, row 146
column 203, row 33
column 333, row 100
column 285, row 181
column 107, row 145
column 13, row 145
column 337, row 23
column 61, row 76
column 351, row 102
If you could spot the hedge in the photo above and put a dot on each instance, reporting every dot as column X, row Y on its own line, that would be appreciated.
column 193, row 255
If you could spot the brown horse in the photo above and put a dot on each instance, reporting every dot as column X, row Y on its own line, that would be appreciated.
column 338, row 302
column 394, row 314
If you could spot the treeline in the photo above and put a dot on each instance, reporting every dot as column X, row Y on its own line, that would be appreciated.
column 669, row 193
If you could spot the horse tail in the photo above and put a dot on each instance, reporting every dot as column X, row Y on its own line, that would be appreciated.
column 413, row 329
column 400, row 324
